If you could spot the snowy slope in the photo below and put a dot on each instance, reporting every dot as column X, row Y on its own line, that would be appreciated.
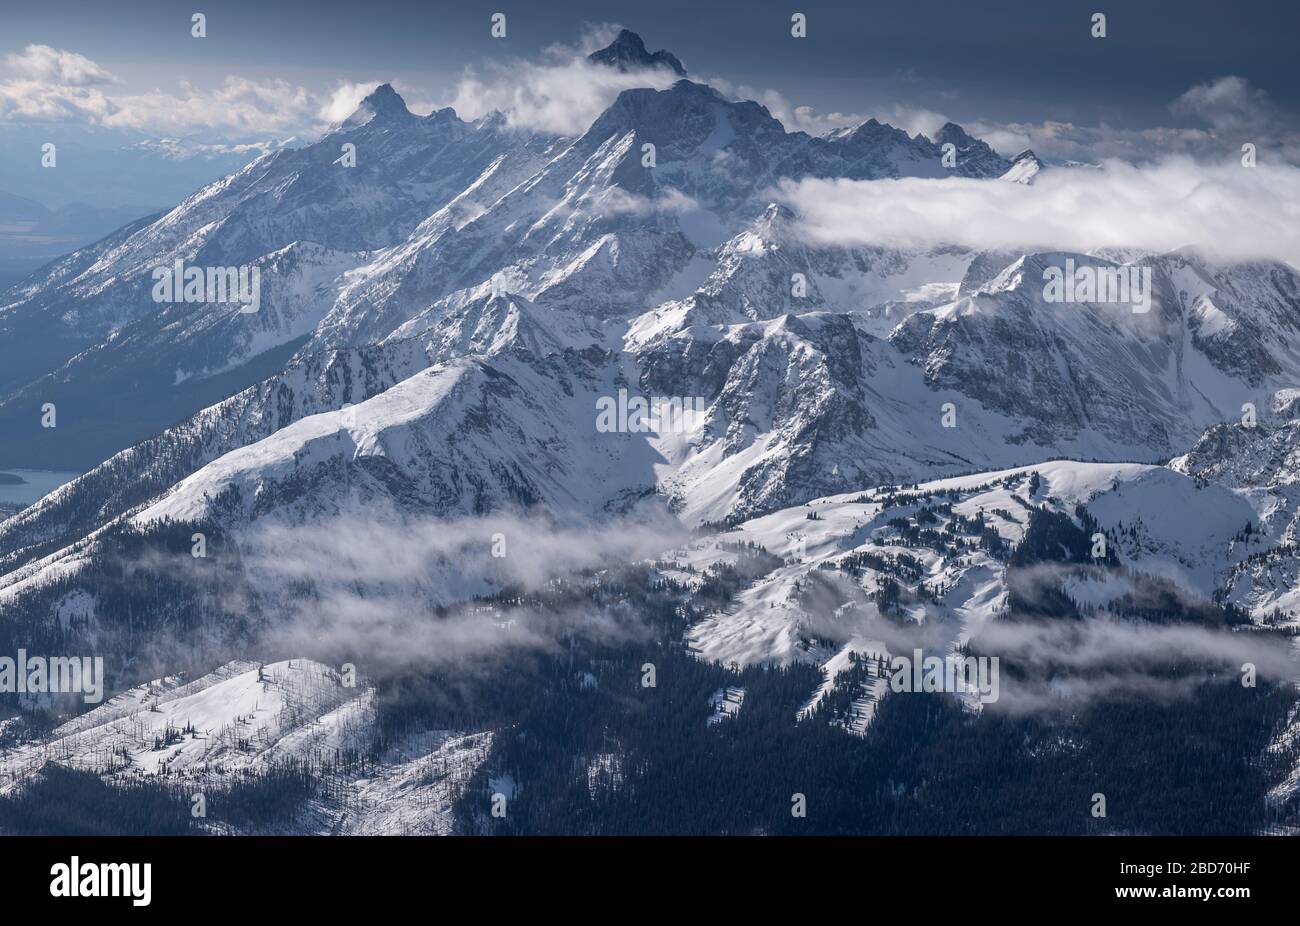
column 240, row 716
column 247, row 718
column 769, row 620
column 440, row 322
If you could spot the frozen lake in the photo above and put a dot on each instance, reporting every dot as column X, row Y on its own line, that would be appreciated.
column 34, row 483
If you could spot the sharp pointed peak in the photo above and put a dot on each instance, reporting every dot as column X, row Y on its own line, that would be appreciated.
column 1025, row 166
column 382, row 102
column 952, row 132
column 628, row 52
column 777, row 213
column 870, row 131
column 628, row 39
column 385, row 98
column 384, row 91
column 493, row 121
column 873, row 126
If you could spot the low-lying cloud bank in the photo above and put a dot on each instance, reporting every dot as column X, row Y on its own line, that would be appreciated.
column 1228, row 211
column 464, row 556
column 365, row 586
column 1062, row 664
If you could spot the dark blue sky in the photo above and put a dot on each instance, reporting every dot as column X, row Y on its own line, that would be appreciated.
column 994, row 59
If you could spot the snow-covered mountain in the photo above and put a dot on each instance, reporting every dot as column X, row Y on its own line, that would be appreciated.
column 442, row 320
column 1025, row 166
column 86, row 333
column 465, row 278
column 432, row 206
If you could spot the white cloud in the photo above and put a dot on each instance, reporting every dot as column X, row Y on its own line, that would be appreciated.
column 1228, row 210
column 1228, row 104
column 30, row 99
column 345, row 99
column 375, row 576
column 238, row 105
column 617, row 201
column 56, row 66
column 56, row 85
column 1103, row 658
column 914, row 120
column 563, row 95
column 1064, row 663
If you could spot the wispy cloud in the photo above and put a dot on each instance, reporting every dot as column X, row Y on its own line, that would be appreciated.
column 345, row 99
column 563, row 93
column 391, row 591
column 387, row 548
column 1228, row 104
column 1063, row 664
column 1101, row 657
column 238, row 104
column 368, row 583
column 616, row 201
column 47, row 84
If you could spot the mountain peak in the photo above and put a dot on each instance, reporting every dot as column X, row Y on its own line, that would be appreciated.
column 777, row 214
column 871, row 132
column 952, row 132
column 1024, row 167
column 446, row 114
column 382, row 102
column 628, row 52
